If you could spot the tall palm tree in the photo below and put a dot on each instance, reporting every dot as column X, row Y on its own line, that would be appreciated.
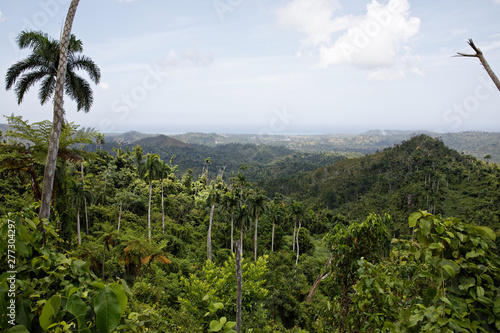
column 78, row 194
column 213, row 198
column 60, row 82
column 256, row 203
column 164, row 171
column 297, row 211
column 231, row 201
column 275, row 212
column 41, row 66
column 149, row 171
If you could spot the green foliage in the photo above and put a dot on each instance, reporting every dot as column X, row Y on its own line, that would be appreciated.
column 54, row 290
column 215, row 288
column 461, row 270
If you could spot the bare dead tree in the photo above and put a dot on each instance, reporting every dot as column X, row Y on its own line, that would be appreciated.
column 321, row 277
column 479, row 54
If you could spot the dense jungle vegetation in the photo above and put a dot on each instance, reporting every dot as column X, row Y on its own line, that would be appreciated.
column 140, row 240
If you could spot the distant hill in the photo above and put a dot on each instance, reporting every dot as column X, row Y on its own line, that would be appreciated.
column 127, row 137
column 161, row 141
column 420, row 173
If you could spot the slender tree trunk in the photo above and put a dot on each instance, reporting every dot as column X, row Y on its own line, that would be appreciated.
column 149, row 209
column 294, row 230
column 239, row 284
column 78, row 225
column 272, row 238
column 320, row 278
column 162, row 208
column 103, row 260
column 51, row 160
column 120, row 215
column 255, row 237
column 482, row 59
column 232, row 228
column 209, row 235
column 241, row 237
column 85, row 200
column 297, row 260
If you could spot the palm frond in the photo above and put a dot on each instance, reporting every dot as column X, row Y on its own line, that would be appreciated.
column 79, row 90
column 34, row 40
column 47, row 89
column 86, row 64
column 26, row 82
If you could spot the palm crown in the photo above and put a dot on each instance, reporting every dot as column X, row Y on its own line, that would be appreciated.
column 41, row 65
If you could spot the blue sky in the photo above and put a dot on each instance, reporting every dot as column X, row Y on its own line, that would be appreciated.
column 272, row 66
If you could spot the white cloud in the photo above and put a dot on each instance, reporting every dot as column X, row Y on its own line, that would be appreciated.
column 104, row 86
column 372, row 42
column 312, row 17
column 187, row 58
column 2, row 18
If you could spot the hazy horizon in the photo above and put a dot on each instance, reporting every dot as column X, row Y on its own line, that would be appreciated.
column 269, row 66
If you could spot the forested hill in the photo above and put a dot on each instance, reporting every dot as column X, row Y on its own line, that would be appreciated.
column 263, row 161
column 421, row 173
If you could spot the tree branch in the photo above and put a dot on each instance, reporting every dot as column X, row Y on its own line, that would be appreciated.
column 482, row 59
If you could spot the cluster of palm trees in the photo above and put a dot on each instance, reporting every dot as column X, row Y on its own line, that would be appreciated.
column 150, row 167
column 248, row 205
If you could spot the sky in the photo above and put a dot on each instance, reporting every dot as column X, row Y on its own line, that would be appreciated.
column 271, row 66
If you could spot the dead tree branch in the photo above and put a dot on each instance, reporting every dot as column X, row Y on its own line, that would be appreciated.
column 482, row 59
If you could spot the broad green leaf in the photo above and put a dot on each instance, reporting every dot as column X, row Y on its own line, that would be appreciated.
column 480, row 291
column 18, row 329
column 412, row 220
column 215, row 326
column 120, row 294
column 486, row 232
column 425, row 227
column 230, row 324
column 107, row 309
column 77, row 307
column 449, row 270
column 49, row 311
column 471, row 254
column 446, row 300
column 425, row 274
column 436, row 246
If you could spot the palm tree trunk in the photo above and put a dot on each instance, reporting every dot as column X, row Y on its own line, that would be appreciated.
column 239, row 288
column 241, row 237
column 149, row 209
column 209, row 235
column 272, row 238
column 120, row 215
column 85, row 200
column 51, row 160
column 103, row 261
column 255, row 237
column 232, row 228
column 78, row 225
column 162, row 208
column 297, row 260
